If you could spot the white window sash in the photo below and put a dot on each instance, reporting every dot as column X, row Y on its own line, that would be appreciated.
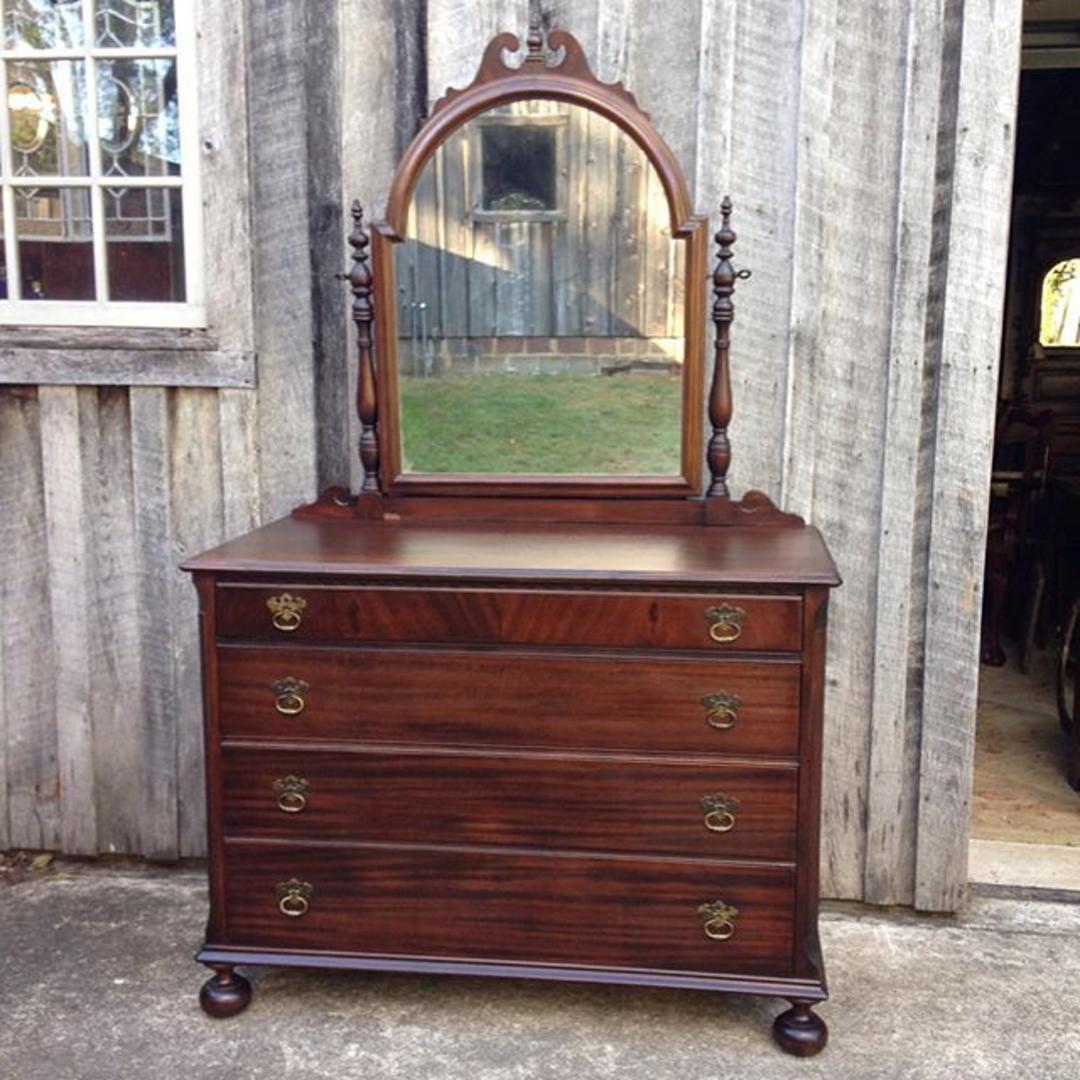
column 190, row 313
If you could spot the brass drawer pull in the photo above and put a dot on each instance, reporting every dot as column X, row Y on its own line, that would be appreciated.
column 725, row 622
column 286, row 611
column 293, row 897
column 723, row 709
column 289, row 695
column 720, row 811
column 719, row 919
column 292, row 793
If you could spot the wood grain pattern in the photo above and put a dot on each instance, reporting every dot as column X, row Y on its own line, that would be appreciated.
column 618, row 620
column 530, row 551
column 31, row 811
column 116, row 673
column 283, row 288
column 468, row 903
column 982, row 161
column 69, row 603
column 514, row 699
column 588, row 803
column 195, row 482
column 891, row 797
column 155, row 567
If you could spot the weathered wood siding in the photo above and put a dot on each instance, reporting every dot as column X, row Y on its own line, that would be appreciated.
column 868, row 148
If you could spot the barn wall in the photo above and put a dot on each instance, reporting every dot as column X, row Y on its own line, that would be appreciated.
column 868, row 150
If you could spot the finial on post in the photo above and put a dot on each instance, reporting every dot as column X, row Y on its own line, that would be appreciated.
column 363, row 314
column 534, row 40
column 723, row 312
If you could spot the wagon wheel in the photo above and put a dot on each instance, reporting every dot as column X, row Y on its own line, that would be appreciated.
column 1068, row 669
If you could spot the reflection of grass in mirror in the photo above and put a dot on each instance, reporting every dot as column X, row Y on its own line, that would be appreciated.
column 558, row 423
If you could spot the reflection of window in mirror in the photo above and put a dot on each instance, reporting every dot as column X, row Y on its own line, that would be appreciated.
column 1059, row 323
column 519, row 166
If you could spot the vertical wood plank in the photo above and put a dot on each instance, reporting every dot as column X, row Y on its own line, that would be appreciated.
column 196, row 514
column 769, row 158
column 155, row 567
column 66, row 543
column 855, row 291
column 283, row 287
column 224, row 170
column 327, row 215
column 116, row 685
column 983, row 117
column 237, row 423
column 894, row 714
column 30, row 812
column 383, row 91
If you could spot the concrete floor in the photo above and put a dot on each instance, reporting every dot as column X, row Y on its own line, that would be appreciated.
column 96, row 982
column 1021, row 793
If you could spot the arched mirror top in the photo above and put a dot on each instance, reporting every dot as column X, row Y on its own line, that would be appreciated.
column 554, row 68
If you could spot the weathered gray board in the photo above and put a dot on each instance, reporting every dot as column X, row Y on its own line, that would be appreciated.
column 868, row 149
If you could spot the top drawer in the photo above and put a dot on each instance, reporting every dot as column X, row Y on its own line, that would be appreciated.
column 716, row 622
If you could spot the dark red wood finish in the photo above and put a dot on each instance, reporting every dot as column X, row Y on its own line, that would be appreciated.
column 528, row 552
column 505, row 617
column 514, row 699
column 511, row 906
column 602, row 803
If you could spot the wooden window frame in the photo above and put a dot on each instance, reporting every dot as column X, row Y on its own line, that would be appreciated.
column 190, row 313
column 560, row 122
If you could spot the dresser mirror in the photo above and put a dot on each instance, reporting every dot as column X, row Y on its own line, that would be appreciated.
column 539, row 294
column 541, row 309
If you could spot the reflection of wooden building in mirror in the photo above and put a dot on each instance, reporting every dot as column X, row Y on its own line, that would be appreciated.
column 607, row 682
column 544, row 221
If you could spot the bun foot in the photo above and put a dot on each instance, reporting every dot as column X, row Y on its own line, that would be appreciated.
column 224, row 994
column 800, row 1031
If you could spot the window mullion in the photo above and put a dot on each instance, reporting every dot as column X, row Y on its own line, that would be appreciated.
column 11, row 246
column 97, row 205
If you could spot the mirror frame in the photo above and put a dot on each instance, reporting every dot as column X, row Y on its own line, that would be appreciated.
column 555, row 69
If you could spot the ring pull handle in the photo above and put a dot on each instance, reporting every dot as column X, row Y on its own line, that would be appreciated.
column 722, row 709
column 720, row 811
column 719, row 919
column 725, row 623
column 292, row 793
column 293, row 897
column 286, row 612
column 289, row 695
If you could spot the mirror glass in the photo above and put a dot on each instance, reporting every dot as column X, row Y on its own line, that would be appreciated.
column 540, row 302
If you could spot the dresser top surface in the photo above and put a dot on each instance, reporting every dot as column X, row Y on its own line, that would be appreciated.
column 542, row 553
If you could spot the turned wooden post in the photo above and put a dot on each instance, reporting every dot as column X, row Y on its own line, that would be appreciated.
column 363, row 314
column 719, row 452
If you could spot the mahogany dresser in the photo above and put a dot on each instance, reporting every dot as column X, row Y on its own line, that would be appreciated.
column 561, row 727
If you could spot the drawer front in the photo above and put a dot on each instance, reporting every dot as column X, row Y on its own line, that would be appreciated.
column 513, row 700
column 591, row 804
column 620, row 620
column 467, row 904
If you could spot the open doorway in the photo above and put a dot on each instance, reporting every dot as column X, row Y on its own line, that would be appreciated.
column 1026, row 806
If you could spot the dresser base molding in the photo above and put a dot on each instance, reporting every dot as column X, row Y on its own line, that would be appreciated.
column 798, row 1030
